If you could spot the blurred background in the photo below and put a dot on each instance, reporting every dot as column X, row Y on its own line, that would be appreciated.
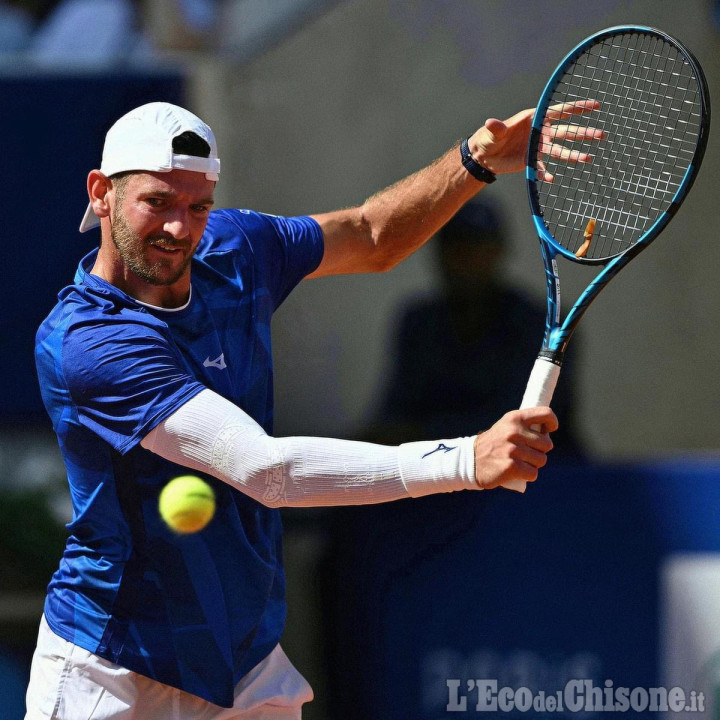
column 609, row 568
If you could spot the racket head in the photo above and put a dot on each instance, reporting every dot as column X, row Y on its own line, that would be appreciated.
column 655, row 113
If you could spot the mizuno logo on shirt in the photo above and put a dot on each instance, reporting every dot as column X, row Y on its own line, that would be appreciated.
column 218, row 362
column 441, row 446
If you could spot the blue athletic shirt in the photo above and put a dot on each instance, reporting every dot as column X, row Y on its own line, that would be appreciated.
column 196, row 612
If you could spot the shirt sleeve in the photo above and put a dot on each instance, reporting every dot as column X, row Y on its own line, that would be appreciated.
column 300, row 245
column 124, row 377
column 284, row 249
column 212, row 435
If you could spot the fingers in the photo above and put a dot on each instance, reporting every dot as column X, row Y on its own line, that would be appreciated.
column 559, row 152
column 553, row 135
column 569, row 133
column 572, row 133
column 515, row 448
column 542, row 173
column 530, row 457
column 542, row 416
column 563, row 111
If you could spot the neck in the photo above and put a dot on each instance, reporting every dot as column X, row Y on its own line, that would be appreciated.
column 110, row 267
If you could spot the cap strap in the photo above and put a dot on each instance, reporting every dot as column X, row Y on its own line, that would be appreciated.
column 198, row 164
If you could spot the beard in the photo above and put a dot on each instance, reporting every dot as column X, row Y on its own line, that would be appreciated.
column 133, row 251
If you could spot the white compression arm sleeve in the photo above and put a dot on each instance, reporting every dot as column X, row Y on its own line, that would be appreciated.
column 212, row 435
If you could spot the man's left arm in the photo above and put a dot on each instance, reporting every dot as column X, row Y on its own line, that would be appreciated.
column 392, row 224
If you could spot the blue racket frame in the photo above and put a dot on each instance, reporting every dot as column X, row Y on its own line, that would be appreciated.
column 558, row 334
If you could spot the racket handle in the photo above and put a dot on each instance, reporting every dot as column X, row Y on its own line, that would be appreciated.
column 539, row 391
column 541, row 384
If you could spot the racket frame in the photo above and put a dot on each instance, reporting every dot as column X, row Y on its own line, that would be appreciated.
column 557, row 333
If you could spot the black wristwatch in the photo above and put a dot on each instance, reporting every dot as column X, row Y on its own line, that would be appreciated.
column 475, row 169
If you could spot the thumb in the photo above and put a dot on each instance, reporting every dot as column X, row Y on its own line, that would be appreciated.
column 496, row 127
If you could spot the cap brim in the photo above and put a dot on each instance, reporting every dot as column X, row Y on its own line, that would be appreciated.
column 90, row 219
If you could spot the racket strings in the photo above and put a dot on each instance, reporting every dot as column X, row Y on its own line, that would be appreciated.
column 650, row 111
column 634, row 108
column 620, row 96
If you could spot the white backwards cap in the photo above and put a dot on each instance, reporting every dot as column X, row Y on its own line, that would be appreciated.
column 142, row 140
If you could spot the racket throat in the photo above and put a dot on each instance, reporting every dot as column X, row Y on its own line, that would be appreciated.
column 556, row 337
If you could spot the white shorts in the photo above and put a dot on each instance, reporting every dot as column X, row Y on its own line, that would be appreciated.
column 70, row 683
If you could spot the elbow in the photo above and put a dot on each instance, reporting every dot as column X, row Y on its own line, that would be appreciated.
column 274, row 494
column 382, row 253
column 386, row 261
column 266, row 488
column 261, row 473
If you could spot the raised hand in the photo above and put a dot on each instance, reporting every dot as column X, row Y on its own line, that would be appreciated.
column 501, row 146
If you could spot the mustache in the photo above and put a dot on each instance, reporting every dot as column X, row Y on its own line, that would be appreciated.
column 168, row 241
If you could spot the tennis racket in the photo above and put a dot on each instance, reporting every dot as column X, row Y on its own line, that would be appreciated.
column 653, row 110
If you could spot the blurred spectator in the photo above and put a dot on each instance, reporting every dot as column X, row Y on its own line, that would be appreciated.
column 89, row 34
column 16, row 26
column 179, row 25
column 464, row 356
column 101, row 33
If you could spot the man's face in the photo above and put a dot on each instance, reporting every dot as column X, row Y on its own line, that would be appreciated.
column 158, row 221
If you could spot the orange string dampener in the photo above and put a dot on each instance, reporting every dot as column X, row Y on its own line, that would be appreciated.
column 588, row 235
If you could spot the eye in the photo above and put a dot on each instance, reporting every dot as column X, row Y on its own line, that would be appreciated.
column 154, row 202
column 200, row 209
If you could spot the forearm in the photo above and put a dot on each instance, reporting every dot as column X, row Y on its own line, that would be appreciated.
column 392, row 224
column 404, row 216
column 211, row 435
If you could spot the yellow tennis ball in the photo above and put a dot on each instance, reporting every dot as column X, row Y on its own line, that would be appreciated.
column 187, row 504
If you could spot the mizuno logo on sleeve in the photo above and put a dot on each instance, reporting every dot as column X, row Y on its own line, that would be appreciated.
column 441, row 446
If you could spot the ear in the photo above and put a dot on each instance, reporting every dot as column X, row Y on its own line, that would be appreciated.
column 98, row 186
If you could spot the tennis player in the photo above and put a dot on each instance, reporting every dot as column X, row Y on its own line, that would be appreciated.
column 156, row 360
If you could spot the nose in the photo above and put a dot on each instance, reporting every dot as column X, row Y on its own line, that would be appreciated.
column 177, row 223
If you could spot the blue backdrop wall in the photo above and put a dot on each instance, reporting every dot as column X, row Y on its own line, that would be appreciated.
column 52, row 129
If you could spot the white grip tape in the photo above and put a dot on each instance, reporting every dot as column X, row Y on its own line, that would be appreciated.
column 539, row 392
column 541, row 384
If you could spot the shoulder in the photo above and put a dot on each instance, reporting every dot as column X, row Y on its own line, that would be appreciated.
column 232, row 229
column 96, row 339
column 98, row 326
column 270, row 251
column 83, row 309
